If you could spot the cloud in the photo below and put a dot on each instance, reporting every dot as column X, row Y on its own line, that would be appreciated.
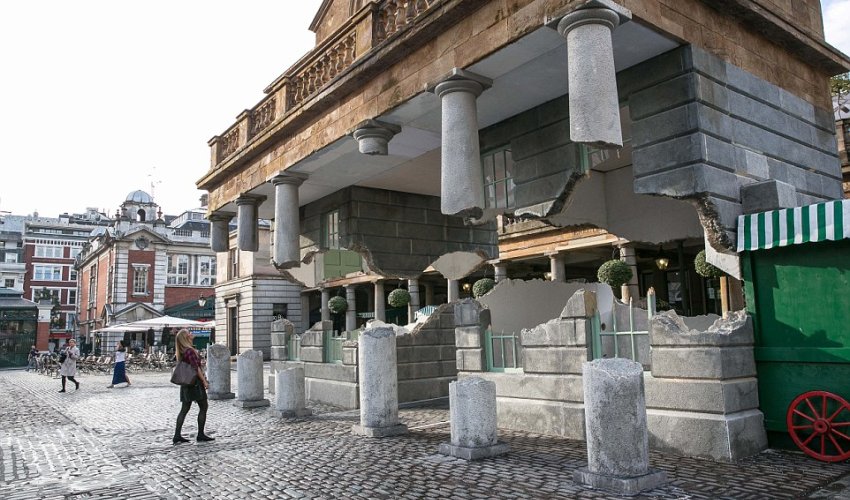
column 836, row 23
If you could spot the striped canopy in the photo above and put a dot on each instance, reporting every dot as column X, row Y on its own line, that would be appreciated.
column 792, row 226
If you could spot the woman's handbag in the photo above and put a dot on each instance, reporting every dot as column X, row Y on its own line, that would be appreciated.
column 63, row 356
column 184, row 374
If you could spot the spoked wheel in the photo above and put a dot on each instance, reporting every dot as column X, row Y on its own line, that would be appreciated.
column 819, row 424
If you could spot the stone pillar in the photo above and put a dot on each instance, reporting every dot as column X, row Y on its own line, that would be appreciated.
column 454, row 290
column 630, row 289
column 287, row 222
column 461, row 174
column 373, row 136
column 218, row 372
column 429, row 294
column 380, row 301
column 289, row 393
column 556, row 267
column 472, row 410
column 378, row 375
column 500, row 272
column 615, row 423
column 249, row 373
column 413, row 306
column 351, row 311
column 42, row 327
column 220, row 231
column 248, row 224
column 326, row 296
column 594, row 103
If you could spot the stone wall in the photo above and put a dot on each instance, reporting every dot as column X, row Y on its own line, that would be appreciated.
column 400, row 234
column 426, row 357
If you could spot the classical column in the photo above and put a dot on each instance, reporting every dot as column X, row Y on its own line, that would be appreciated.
column 373, row 136
column 378, row 377
column 556, row 267
column 289, row 401
column 351, row 312
column 454, row 290
column 220, row 231
column 248, row 223
column 500, row 271
column 249, row 373
column 218, row 372
column 326, row 296
column 630, row 289
column 413, row 306
column 461, row 175
column 287, row 223
column 594, row 103
column 380, row 301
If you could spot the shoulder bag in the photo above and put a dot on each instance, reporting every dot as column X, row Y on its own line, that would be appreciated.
column 184, row 374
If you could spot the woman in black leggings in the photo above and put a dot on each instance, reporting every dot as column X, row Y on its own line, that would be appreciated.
column 196, row 392
column 68, row 369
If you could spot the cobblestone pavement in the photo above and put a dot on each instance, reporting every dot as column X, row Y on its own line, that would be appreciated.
column 116, row 443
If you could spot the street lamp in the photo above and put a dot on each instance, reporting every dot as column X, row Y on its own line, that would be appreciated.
column 202, row 301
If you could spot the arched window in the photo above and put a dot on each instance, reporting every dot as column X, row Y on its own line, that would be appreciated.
column 140, row 215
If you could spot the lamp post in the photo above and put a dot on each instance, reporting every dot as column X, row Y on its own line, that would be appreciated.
column 202, row 301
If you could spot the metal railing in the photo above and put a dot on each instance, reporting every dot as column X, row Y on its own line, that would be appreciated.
column 293, row 351
column 503, row 352
column 622, row 331
column 333, row 346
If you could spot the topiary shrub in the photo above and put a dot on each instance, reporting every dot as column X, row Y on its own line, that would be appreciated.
column 338, row 305
column 482, row 286
column 614, row 273
column 704, row 268
column 399, row 297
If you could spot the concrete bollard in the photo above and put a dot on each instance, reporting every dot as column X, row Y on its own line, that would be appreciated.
column 615, row 423
column 289, row 394
column 378, row 375
column 472, row 412
column 249, row 373
column 218, row 372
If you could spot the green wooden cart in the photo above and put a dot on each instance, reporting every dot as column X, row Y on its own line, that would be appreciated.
column 796, row 265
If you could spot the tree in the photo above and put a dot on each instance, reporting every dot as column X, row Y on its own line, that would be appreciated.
column 839, row 85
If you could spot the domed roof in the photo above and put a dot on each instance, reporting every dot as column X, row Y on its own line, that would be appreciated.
column 139, row 196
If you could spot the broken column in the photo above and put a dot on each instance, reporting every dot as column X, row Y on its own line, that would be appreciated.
column 249, row 373
column 248, row 223
column 594, row 103
column 380, row 301
column 289, row 393
column 378, row 375
column 413, row 306
column 373, row 136
column 462, row 192
column 453, row 290
column 556, row 267
column 218, row 372
column 472, row 409
column 351, row 311
column 287, row 222
column 615, row 423
column 220, row 231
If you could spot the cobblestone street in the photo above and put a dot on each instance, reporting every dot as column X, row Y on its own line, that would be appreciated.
column 116, row 443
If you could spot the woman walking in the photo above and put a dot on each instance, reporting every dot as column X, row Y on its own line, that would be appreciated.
column 68, row 369
column 196, row 392
column 119, row 373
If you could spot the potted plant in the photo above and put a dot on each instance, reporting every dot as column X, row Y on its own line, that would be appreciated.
column 615, row 273
column 337, row 305
column 704, row 268
column 399, row 297
column 482, row 286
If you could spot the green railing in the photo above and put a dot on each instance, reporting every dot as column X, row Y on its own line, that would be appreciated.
column 503, row 352
column 293, row 351
column 333, row 346
column 621, row 331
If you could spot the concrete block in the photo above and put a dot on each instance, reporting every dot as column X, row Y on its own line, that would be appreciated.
column 654, row 71
column 331, row 371
column 312, row 354
column 703, row 362
column 627, row 486
column 554, row 418
column 768, row 195
column 470, row 360
column 557, row 333
column 425, row 337
column 664, row 95
column 312, row 338
column 725, row 438
column 342, row 394
column 582, row 304
column 467, row 313
column 666, row 125
column 422, row 389
column 668, row 329
column 419, row 370
column 468, row 336
column 554, row 359
column 707, row 396
column 349, row 356
column 279, row 353
column 448, row 353
column 536, row 386
column 279, row 339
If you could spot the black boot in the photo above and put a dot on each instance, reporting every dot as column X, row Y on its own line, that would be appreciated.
column 203, row 437
column 179, row 439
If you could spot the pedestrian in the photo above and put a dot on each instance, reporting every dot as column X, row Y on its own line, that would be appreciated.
column 196, row 392
column 32, row 359
column 119, row 372
column 69, row 365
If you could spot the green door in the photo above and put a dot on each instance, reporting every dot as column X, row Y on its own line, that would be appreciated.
column 799, row 297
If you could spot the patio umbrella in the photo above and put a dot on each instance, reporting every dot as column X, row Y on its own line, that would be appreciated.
column 167, row 321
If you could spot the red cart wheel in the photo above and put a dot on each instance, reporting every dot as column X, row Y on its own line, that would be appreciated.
column 819, row 424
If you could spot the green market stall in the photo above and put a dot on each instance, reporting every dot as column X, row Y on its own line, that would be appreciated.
column 796, row 267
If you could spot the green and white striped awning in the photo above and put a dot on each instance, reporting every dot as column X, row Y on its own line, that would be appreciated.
column 792, row 226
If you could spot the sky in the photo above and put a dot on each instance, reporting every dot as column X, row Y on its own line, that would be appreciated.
column 99, row 98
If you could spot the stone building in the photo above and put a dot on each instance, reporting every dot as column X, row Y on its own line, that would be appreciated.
column 142, row 265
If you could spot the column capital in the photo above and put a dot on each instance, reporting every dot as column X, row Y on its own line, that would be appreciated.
column 373, row 136
column 284, row 177
column 461, row 80
column 218, row 215
column 250, row 199
column 593, row 12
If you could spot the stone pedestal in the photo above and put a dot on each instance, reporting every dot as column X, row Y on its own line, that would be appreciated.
column 218, row 372
column 247, row 223
column 249, row 372
column 289, row 393
column 220, row 231
column 462, row 192
column 615, row 423
column 378, row 375
column 594, row 103
column 287, row 222
column 473, row 420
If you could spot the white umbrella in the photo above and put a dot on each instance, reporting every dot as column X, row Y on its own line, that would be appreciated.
column 167, row 321
column 124, row 327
